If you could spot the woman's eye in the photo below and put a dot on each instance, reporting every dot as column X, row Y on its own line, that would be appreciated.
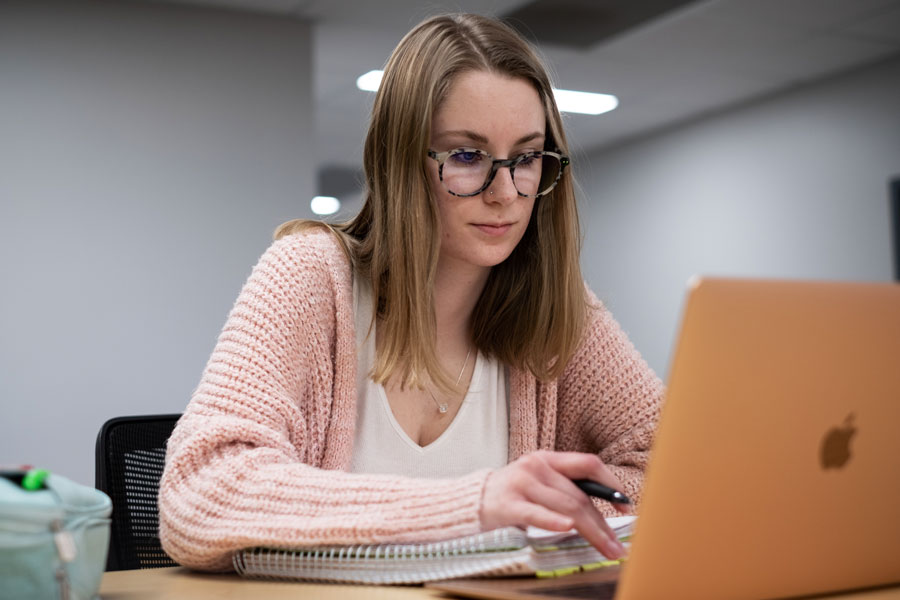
column 527, row 160
column 466, row 157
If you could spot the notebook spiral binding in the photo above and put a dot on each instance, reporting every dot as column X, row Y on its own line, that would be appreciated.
column 386, row 563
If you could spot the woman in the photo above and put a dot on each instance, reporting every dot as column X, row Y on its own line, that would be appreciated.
column 435, row 366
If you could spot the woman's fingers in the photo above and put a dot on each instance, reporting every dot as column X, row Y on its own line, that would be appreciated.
column 537, row 489
column 540, row 516
column 590, row 509
column 566, row 499
column 577, row 465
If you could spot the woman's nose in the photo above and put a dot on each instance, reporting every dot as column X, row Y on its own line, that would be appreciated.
column 502, row 188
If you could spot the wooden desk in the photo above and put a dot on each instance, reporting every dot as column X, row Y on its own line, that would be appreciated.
column 182, row 584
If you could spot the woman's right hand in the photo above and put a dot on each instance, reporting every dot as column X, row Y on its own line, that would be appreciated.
column 537, row 489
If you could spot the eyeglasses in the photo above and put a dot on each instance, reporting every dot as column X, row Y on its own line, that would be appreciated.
column 468, row 171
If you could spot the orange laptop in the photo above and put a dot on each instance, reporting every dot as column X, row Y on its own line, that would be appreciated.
column 776, row 468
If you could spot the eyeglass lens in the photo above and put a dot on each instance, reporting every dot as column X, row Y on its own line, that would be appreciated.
column 465, row 172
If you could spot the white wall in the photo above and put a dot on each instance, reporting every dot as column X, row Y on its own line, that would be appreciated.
column 790, row 186
column 147, row 152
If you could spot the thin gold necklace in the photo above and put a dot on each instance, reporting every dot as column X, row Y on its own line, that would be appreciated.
column 442, row 406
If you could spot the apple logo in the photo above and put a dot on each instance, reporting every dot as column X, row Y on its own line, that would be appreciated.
column 836, row 445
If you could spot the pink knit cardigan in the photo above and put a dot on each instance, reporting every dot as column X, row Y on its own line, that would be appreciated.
column 260, row 456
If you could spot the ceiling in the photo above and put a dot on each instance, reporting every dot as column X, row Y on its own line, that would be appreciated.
column 673, row 65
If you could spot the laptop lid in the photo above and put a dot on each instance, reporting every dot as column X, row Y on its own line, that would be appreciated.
column 776, row 467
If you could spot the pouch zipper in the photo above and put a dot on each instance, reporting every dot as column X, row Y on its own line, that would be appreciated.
column 65, row 547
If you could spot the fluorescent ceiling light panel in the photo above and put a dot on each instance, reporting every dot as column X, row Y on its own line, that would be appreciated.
column 570, row 101
column 586, row 103
column 325, row 205
column 370, row 81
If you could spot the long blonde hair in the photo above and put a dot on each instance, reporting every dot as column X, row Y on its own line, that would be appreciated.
column 531, row 312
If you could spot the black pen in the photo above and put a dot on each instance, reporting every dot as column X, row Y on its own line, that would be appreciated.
column 592, row 488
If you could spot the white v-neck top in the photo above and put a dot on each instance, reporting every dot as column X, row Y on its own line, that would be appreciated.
column 478, row 436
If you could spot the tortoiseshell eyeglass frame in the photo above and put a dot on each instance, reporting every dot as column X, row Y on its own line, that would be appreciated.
column 498, row 163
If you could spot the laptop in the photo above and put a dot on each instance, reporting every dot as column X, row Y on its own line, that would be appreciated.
column 776, row 467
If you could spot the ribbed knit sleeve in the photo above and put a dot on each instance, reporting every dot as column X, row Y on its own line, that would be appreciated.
column 609, row 402
column 256, row 458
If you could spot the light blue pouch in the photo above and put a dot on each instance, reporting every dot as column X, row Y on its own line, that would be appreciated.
column 53, row 539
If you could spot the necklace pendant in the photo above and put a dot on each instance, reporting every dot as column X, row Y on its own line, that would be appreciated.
column 442, row 407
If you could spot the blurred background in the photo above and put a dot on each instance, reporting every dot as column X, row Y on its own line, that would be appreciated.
column 148, row 149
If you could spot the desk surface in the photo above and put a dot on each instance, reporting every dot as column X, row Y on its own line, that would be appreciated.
column 179, row 583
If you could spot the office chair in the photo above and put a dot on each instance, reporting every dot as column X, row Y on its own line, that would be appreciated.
column 130, row 455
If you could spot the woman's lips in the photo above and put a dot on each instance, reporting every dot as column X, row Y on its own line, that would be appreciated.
column 493, row 230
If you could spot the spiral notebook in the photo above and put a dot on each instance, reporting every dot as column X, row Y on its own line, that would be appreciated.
column 507, row 551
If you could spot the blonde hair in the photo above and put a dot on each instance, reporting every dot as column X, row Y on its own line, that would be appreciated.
column 531, row 312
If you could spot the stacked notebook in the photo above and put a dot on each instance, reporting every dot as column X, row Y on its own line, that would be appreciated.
column 507, row 551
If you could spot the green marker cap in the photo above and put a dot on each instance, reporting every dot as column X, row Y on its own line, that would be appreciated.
column 34, row 479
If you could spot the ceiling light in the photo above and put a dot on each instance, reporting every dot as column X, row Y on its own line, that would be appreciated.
column 325, row 205
column 586, row 103
column 570, row 101
column 370, row 81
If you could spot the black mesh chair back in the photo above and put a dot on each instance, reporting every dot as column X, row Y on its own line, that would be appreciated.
column 130, row 456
